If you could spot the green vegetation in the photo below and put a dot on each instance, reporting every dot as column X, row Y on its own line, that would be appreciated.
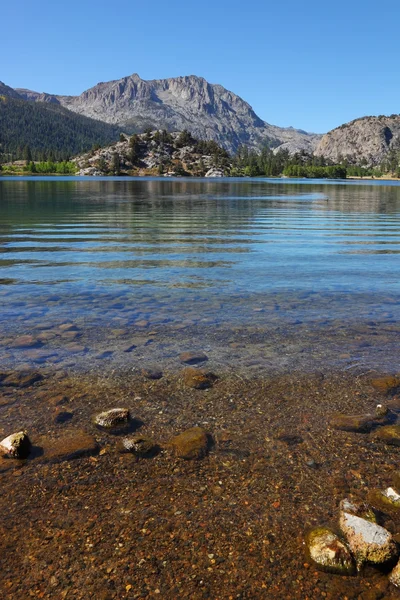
column 40, row 168
column 45, row 131
column 268, row 163
column 315, row 172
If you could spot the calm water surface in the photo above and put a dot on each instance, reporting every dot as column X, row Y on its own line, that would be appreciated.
column 259, row 273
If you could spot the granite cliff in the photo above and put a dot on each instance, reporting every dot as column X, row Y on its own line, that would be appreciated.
column 367, row 141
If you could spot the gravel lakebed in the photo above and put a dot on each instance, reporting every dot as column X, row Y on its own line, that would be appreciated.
column 82, row 519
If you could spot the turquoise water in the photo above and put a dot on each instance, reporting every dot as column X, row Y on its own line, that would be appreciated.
column 308, row 266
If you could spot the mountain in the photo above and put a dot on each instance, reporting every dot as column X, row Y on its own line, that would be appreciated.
column 208, row 111
column 47, row 127
column 7, row 91
column 368, row 140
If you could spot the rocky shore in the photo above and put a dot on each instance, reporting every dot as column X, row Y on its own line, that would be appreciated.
column 189, row 490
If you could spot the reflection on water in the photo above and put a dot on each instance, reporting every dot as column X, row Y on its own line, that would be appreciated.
column 309, row 267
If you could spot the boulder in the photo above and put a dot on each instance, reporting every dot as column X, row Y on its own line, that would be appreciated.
column 369, row 542
column 16, row 445
column 112, row 418
column 213, row 172
column 198, row 379
column 191, row 444
column 329, row 553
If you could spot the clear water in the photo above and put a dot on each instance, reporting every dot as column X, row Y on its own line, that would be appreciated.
column 275, row 273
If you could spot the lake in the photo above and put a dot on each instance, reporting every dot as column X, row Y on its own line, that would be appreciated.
column 293, row 274
column 286, row 296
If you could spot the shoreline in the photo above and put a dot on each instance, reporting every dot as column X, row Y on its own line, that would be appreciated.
column 194, row 177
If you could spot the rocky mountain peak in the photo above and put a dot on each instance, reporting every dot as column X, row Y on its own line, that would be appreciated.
column 208, row 111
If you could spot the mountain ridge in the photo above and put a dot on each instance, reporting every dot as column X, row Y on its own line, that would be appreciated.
column 209, row 111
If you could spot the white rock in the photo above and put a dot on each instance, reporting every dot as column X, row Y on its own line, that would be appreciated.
column 368, row 541
column 392, row 495
column 16, row 445
column 112, row 417
column 215, row 173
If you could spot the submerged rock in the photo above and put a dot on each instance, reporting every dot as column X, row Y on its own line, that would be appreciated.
column 73, row 445
column 25, row 341
column 390, row 434
column 386, row 385
column 113, row 417
column 356, row 423
column 329, row 553
column 359, row 509
column 394, row 576
column 152, row 373
column 20, row 379
column 16, row 445
column 369, row 542
column 198, row 379
column 193, row 358
column 381, row 410
column 387, row 500
column 139, row 445
column 191, row 444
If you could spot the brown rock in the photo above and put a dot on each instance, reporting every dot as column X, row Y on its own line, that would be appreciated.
column 73, row 445
column 25, row 341
column 191, row 444
column 68, row 327
column 152, row 373
column 75, row 348
column 198, row 379
column 357, row 423
column 21, row 379
column 386, row 385
column 192, row 358
column 139, row 445
column 390, row 434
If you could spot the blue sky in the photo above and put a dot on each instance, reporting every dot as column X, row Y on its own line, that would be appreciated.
column 312, row 65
